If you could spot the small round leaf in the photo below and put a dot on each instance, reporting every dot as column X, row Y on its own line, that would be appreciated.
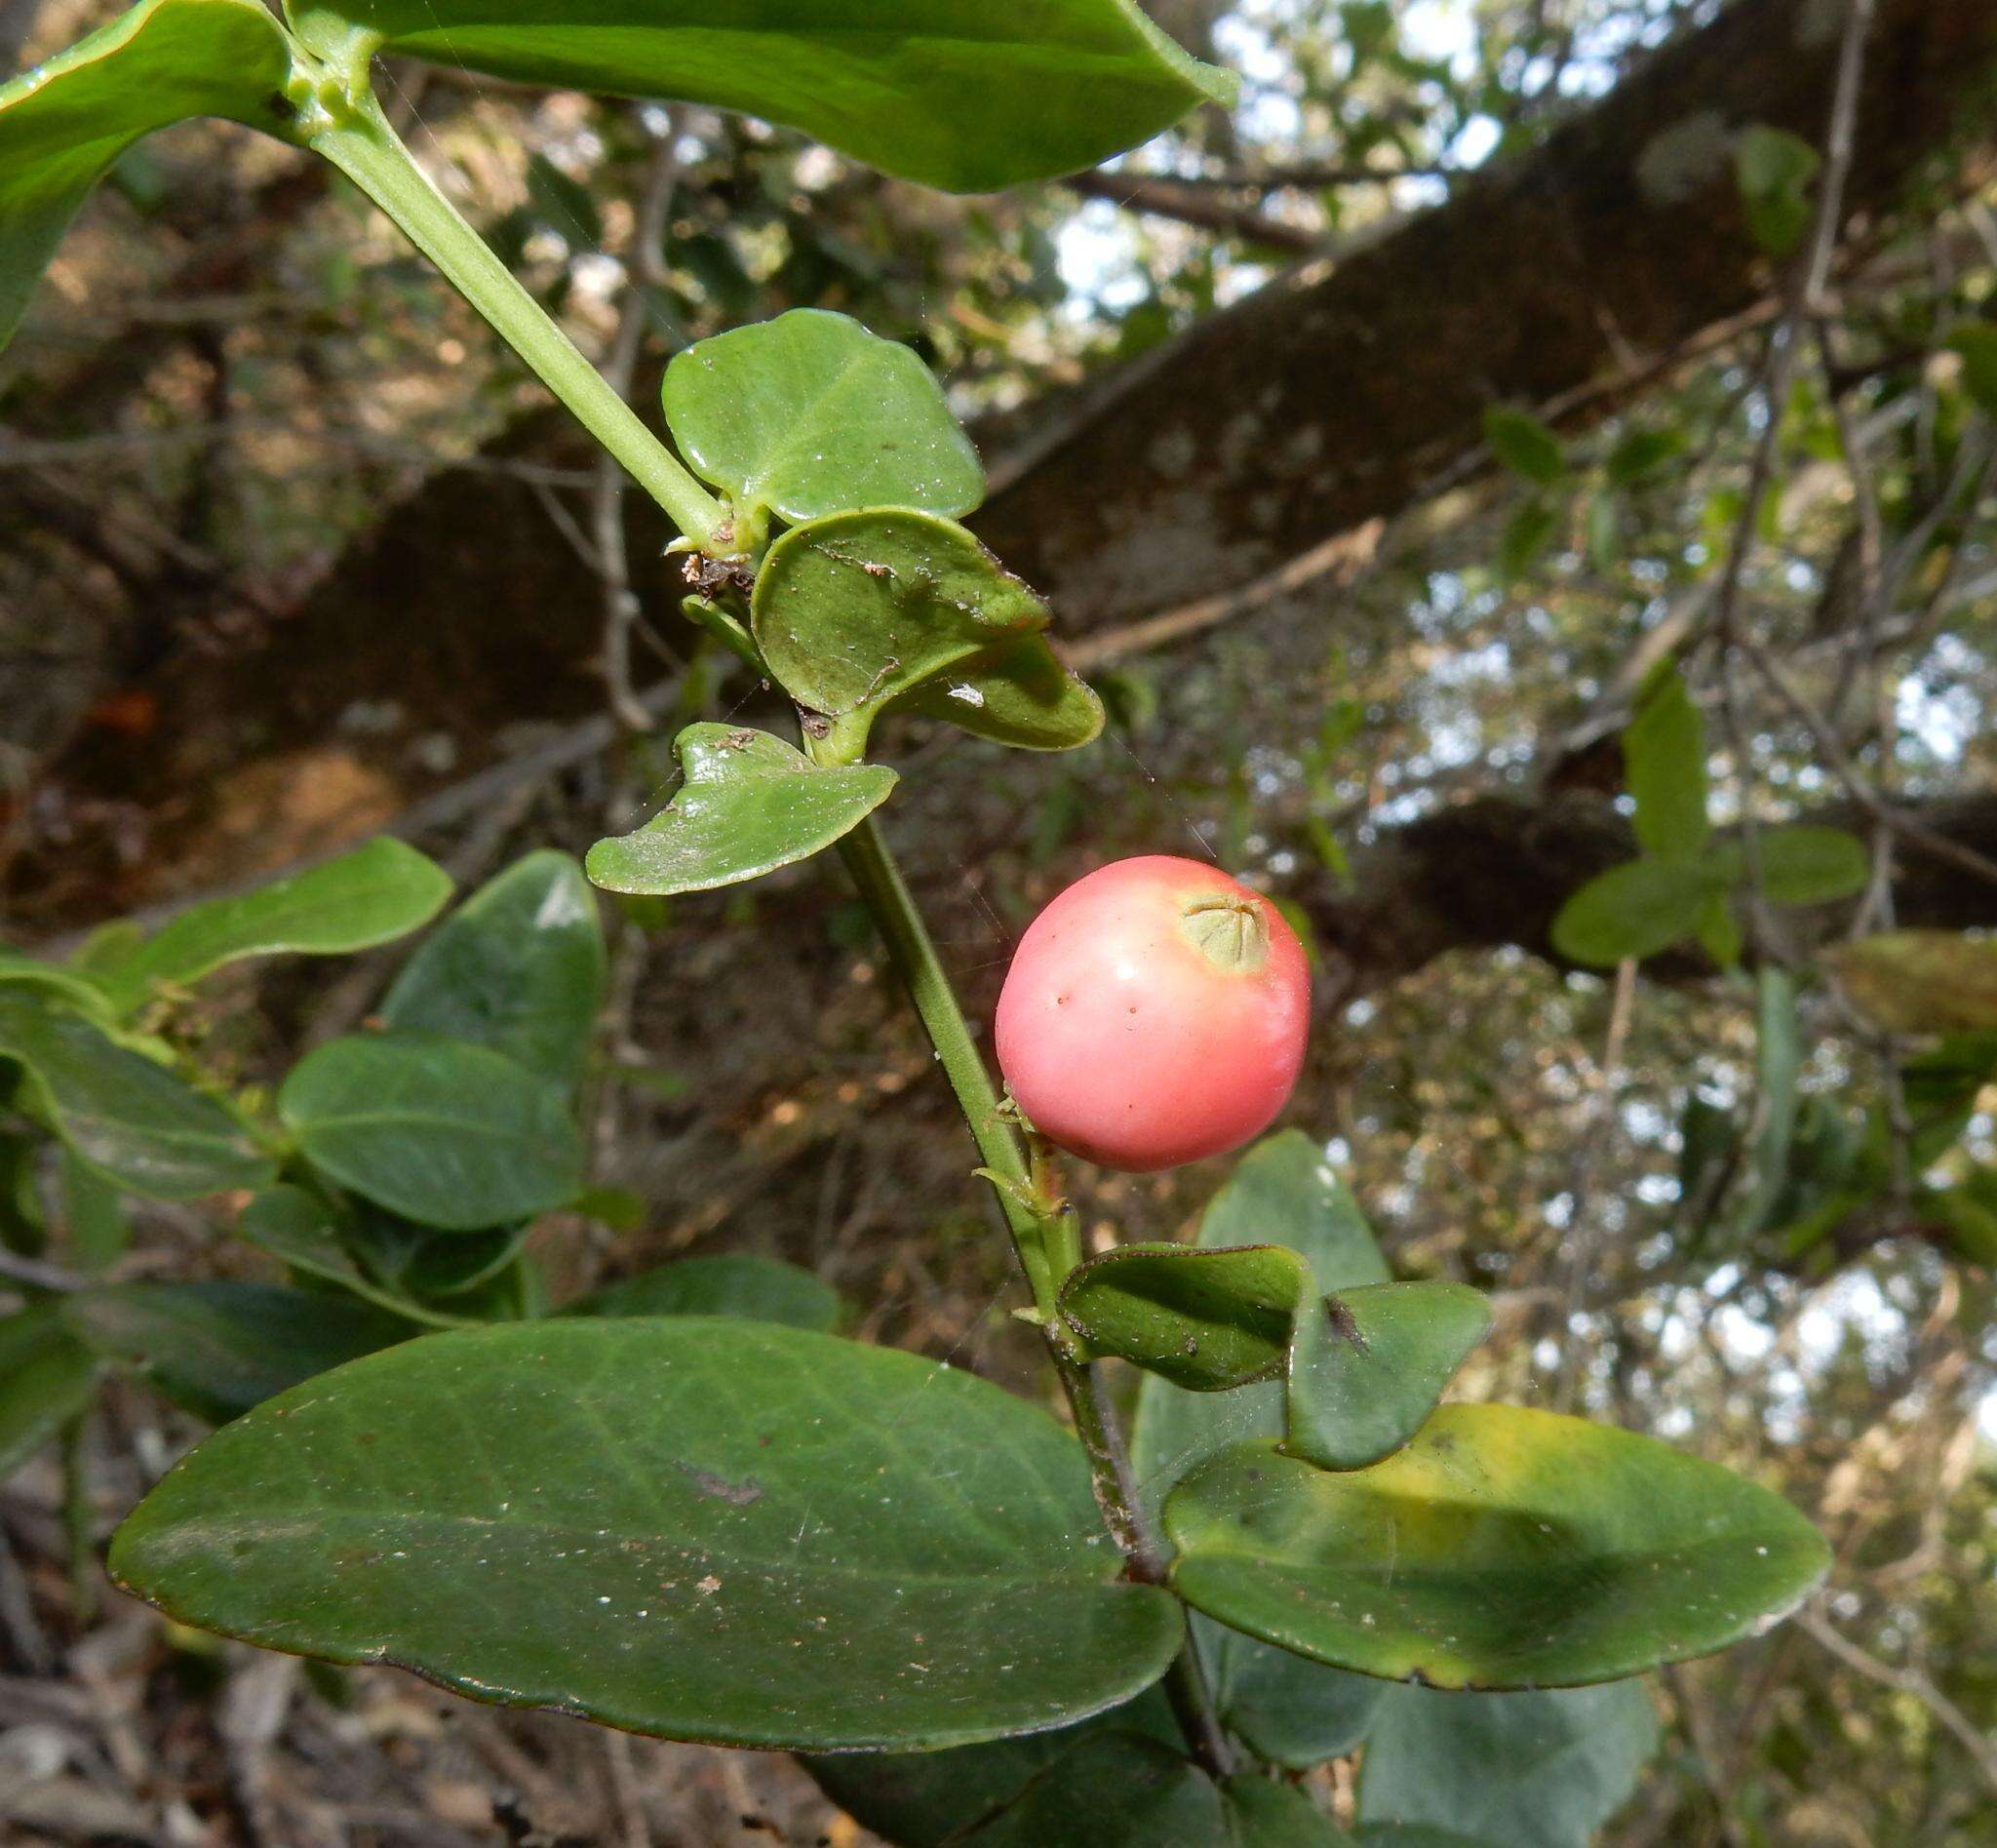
column 810, row 414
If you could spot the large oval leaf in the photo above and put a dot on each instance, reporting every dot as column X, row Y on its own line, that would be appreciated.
column 519, row 967
column 957, row 96
column 372, row 895
column 218, row 1349
column 1502, row 1549
column 750, row 804
column 855, row 610
column 451, row 1135
column 133, row 1120
column 714, row 1530
column 812, row 414
column 63, row 122
column 1505, row 1770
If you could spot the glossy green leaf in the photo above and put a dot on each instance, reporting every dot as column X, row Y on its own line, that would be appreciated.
column 1774, row 169
column 47, row 1377
column 302, row 1231
column 1634, row 910
column 519, row 967
column 451, row 1135
column 371, row 896
column 734, row 1284
column 1369, row 1365
column 1976, row 345
column 707, row 1529
column 1804, row 865
column 855, row 610
column 1921, row 981
column 810, row 414
column 1502, row 1549
column 1017, row 694
column 1207, row 1320
column 750, row 804
column 1664, row 758
column 951, row 93
column 1284, row 1190
column 131, row 1120
column 1544, row 1770
column 1778, row 1063
column 63, row 123
column 218, row 1349
column 1524, row 444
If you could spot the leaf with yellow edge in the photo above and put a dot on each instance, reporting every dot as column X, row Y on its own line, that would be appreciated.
column 1502, row 1549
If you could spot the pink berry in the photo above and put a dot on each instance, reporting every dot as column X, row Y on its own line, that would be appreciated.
column 1154, row 1013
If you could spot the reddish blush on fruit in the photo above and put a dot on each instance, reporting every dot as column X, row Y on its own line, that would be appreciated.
column 1154, row 1013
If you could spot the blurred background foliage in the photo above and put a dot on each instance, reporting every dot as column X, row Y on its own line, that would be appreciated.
column 239, row 401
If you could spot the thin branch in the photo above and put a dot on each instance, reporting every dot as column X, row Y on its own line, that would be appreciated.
column 1909, row 828
column 1778, row 368
column 1909, row 1681
column 1194, row 206
column 1305, row 177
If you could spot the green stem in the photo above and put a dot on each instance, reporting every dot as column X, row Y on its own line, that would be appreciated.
column 1048, row 1243
column 350, row 131
column 909, row 946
